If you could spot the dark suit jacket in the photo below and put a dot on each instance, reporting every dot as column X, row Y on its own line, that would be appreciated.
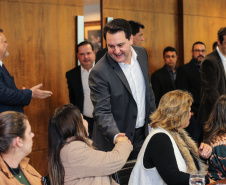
column 213, row 84
column 115, row 109
column 100, row 54
column 11, row 98
column 74, row 81
column 161, row 83
column 188, row 78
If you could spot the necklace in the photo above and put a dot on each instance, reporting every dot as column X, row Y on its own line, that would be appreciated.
column 19, row 174
column 11, row 170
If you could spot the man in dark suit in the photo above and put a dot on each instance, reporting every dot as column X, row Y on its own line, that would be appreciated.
column 77, row 79
column 213, row 79
column 163, row 79
column 12, row 98
column 188, row 78
column 138, row 38
column 121, row 90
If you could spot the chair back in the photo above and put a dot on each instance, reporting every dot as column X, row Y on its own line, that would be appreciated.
column 45, row 180
column 123, row 175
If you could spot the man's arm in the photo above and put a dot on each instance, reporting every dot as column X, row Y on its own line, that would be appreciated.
column 72, row 96
column 11, row 96
column 100, row 96
column 209, row 73
column 181, row 79
column 156, row 88
column 152, row 101
column 182, row 83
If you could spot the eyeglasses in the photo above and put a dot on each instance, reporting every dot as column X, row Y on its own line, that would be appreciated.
column 198, row 50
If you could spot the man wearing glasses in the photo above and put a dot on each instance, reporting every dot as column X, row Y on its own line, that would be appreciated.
column 188, row 78
column 213, row 78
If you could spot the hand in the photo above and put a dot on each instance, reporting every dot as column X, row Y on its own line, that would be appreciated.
column 205, row 150
column 211, row 180
column 122, row 137
column 38, row 93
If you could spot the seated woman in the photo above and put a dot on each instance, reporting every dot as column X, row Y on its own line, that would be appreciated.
column 168, row 154
column 215, row 135
column 15, row 144
column 72, row 159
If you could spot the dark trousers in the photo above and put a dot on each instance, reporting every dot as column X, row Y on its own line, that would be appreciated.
column 90, row 125
column 138, row 141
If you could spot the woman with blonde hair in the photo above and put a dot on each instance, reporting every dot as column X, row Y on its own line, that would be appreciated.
column 16, row 143
column 215, row 135
column 169, row 155
column 72, row 159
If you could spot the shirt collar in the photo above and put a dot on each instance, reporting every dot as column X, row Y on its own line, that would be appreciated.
column 133, row 57
column 195, row 63
column 223, row 58
column 82, row 69
column 170, row 70
column 1, row 63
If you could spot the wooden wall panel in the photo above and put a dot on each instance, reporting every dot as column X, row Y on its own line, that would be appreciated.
column 41, row 37
column 161, row 24
column 163, row 6
column 59, row 2
column 208, row 8
column 200, row 28
column 202, row 19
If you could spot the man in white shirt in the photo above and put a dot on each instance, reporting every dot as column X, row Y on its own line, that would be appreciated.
column 121, row 90
column 12, row 98
column 213, row 77
column 77, row 79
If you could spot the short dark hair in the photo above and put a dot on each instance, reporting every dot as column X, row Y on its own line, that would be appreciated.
column 215, row 45
column 135, row 26
column 117, row 25
column 198, row 42
column 221, row 33
column 12, row 125
column 169, row 48
column 1, row 30
column 84, row 43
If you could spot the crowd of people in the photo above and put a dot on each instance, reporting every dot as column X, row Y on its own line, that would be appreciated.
column 172, row 124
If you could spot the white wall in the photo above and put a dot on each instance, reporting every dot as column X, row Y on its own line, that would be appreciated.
column 92, row 12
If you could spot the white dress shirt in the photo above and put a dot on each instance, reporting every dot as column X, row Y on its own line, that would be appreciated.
column 1, row 63
column 223, row 58
column 87, row 105
column 136, row 82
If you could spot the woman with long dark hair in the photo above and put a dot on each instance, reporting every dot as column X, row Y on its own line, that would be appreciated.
column 72, row 158
column 215, row 135
column 16, row 143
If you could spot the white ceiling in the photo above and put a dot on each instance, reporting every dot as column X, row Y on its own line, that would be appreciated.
column 90, row 2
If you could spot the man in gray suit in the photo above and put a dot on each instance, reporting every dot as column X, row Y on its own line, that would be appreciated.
column 213, row 78
column 121, row 90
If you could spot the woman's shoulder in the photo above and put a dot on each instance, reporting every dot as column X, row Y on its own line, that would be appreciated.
column 158, row 131
column 218, row 140
column 75, row 147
